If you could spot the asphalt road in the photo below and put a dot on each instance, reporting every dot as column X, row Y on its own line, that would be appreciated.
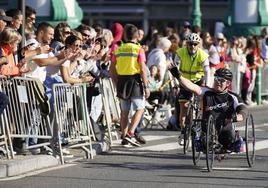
column 158, row 164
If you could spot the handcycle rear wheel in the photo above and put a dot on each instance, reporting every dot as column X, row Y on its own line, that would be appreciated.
column 210, row 142
column 250, row 140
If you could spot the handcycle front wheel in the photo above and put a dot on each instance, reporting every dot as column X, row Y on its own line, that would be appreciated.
column 250, row 140
column 210, row 142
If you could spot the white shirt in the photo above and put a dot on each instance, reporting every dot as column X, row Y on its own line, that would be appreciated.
column 35, row 70
column 264, row 49
column 157, row 57
column 213, row 57
column 82, row 68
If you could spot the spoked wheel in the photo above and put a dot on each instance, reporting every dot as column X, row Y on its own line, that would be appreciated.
column 250, row 140
column 187, row 133
column 210, row 142
column 196, row 142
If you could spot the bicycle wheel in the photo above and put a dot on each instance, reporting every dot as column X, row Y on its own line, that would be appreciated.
column 196, row 142
column 250, row 140
column 187, row 131
column 210, row 142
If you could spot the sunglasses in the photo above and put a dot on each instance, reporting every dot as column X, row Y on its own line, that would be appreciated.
column 86, row 35
column 219, row 79
column 67, row 32
column 31, row 18
column 78, row 46
column 193, row 44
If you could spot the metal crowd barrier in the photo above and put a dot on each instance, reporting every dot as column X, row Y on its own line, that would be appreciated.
column 4, row 141
column 74, row 128
column 23, row 117
column 111, row 107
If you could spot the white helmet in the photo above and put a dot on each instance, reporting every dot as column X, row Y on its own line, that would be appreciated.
column 193, row 37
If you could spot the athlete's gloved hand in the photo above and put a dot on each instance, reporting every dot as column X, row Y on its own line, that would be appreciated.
column 175, row 72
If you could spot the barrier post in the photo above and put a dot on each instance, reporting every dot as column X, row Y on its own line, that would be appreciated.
column 258, row 86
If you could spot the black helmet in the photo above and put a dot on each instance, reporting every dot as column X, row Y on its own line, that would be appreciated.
column 224, row 73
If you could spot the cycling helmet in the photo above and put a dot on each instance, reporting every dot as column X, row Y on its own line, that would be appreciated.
column 224, row 73
column 193, row 37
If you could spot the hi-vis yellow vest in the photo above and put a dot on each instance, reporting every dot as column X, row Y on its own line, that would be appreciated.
column 192, row 70
column 127, row 59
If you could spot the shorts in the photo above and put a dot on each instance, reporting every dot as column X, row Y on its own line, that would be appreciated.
column 137, row 103
column 186, row 95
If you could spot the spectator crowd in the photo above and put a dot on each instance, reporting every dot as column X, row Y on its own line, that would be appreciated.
column 62, row 54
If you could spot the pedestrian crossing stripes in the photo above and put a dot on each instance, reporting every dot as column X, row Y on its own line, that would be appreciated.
column 172, row 144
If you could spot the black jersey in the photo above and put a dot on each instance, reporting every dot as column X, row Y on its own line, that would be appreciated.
column 222, row 105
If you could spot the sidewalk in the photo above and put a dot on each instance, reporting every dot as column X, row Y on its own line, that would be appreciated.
column 28, row 163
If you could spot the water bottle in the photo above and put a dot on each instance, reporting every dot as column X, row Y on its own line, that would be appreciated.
column 239, row 147
column 243, row 146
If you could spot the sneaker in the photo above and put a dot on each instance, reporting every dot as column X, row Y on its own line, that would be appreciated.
column 181, row 139
column 140, row 139
column 132, row 140
column 35, row 151
column 125, row 143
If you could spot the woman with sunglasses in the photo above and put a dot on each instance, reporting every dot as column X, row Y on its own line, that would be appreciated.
column 72, row 70
column 62, row 31
column 30, row 15
column 193, row 64
column 225, row 106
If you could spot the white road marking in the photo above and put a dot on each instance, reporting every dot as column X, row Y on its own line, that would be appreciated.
column 161, row 147
column 157, row 137
column 257, row 127
column 243, row 129
column 228, row 168
column 148, row 138
column 174, row 145
column 261, row 145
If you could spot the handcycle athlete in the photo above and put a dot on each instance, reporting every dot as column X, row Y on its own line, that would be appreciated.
column 219, row 101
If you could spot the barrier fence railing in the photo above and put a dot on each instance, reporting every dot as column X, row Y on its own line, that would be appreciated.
column 74, row 129
column 27, row 116
column 111, row 107
column 4, row 141
column 24, row 118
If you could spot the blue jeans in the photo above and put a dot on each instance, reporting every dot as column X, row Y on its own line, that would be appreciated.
column 4, row 100
column 138, row 129
column 48, row 83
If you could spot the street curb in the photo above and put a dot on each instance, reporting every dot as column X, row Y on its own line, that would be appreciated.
column 25, row 164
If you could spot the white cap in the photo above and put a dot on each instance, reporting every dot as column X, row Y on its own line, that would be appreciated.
column 219, row 36
column 164, row 43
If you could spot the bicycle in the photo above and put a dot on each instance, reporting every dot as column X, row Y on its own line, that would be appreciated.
column 193, row 115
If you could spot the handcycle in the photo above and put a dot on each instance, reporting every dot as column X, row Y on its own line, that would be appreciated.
column 209, row 145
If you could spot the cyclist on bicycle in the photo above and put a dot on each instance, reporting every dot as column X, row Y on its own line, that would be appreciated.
column 193, row 64
column 224, row 105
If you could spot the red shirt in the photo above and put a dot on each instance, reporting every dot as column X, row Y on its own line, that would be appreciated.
column 10, row 69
